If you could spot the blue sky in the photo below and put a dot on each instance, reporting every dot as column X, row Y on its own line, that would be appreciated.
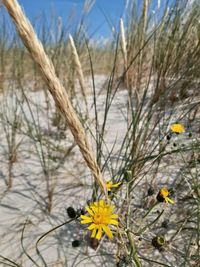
column 101, row 11
column 103, row 15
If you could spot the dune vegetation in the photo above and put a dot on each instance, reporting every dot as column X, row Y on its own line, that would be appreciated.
column 106, row 171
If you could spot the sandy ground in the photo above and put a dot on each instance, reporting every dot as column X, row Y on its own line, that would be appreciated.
column 26, row 201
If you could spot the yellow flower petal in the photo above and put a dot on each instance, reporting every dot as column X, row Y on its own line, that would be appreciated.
column 85, row 219
column 89, row 211
column 168, row 200
column 114, row 216
column 101, row 203
column 99, row 233
column 114, row 222
column 93, row 233
column 116, row 185
column 107, row 231
column 92, row 226
column 94, row 205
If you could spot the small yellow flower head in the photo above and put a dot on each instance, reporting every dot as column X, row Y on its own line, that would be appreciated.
column 110, row 185
column 163, row 196
column 100, row 216
column 177, row 128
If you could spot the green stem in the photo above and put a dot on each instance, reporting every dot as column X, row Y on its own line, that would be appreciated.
column 133, row 250
column 152, row 207
column 150, row 224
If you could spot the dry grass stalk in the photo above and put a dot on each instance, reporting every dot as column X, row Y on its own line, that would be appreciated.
column 124, row 50
column 1, row 82
column 78, row 68
column 158, row 4
column 144, row 19
column 56, row 88
column 164, row 20
column 123, row 42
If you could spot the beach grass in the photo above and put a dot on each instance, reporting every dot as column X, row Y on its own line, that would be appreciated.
column 101, row 142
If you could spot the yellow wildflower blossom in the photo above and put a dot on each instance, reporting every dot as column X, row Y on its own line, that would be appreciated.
column 110, row 185
column 177, row 128
column 163, row 195
column 100, row 216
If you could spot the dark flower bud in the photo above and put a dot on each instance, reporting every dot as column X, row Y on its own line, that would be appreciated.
column 165, row 224
column 150, row 191
column 76, row 243
column 71, row 212
column 168, row 137
column 160, row 198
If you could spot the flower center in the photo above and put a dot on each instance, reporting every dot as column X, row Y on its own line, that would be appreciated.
column 164, row 192
column 98, row 218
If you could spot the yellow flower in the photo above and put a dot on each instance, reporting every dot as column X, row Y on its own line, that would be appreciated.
column 100, row 216
column 163, row 195
column 177, row 128
column 110, row 185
